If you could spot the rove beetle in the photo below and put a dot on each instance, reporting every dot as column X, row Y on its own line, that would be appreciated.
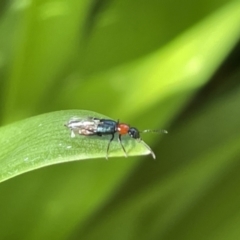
column 96, row 126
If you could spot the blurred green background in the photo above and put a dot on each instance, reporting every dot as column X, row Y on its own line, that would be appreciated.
column 153, row 64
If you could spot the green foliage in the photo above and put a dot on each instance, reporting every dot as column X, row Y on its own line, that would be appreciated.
column 148, row 64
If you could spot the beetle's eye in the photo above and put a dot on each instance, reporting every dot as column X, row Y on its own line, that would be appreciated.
column 134, row 133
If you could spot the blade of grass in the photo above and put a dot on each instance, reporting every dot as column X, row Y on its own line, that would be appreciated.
column 193, row 193
column 35, row 45
column 177, row 70
column 43, row 140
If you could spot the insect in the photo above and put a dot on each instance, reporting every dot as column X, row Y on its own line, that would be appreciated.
column 96, row 126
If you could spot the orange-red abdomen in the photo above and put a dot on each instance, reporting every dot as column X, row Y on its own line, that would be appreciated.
column 122, row 128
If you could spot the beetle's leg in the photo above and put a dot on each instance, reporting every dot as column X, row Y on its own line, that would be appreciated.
column 109, row 145
column 120, row 141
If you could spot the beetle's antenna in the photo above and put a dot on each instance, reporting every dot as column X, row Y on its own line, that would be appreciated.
column 155, row 131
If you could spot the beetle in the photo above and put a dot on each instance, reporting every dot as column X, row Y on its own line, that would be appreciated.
column 97, row 126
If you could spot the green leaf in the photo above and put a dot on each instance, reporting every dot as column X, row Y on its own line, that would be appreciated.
column 43, row 140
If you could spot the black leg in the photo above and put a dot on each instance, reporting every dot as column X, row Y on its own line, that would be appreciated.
column 120, row 140
column 109, row 145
